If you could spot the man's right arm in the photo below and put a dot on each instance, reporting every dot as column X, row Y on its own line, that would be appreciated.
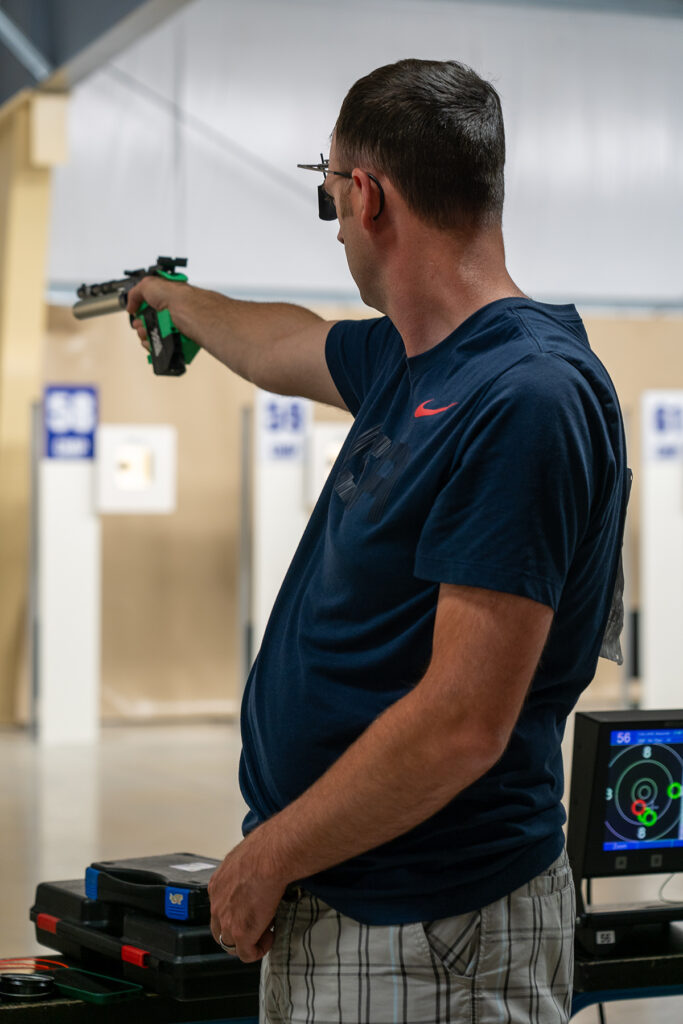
column 277, row 346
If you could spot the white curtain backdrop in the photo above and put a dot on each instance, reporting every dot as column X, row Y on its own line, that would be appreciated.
column 187, row 144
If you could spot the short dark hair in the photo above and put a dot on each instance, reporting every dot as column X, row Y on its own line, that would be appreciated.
column 435, row 128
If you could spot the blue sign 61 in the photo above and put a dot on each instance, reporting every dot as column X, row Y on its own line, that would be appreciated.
column 669, row 418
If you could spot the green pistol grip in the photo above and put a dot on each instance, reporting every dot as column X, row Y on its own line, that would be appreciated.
column 168, row 328
column 169, row 333
column 190, row 348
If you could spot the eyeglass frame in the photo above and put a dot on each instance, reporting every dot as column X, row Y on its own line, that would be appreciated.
column 327, row 209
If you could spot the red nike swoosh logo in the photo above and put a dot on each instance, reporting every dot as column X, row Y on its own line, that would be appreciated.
column 423, row 411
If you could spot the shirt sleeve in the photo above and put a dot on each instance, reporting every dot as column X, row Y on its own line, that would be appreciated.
column 518, row 499
column 356, row 351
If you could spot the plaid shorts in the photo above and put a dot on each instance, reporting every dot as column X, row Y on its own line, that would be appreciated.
column 509, row 963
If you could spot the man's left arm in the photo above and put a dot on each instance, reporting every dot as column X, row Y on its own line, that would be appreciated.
column 408, row 764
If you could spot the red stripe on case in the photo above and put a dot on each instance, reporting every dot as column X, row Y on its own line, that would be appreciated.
column 133, row 955
column 47, row 923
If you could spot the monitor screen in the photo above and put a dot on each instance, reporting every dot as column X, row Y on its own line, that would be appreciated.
column 626, row 800
column 643, row 795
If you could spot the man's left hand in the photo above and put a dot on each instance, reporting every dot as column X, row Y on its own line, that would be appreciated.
column 244, row 896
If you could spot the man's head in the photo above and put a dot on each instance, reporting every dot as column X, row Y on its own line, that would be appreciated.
column 435, row 129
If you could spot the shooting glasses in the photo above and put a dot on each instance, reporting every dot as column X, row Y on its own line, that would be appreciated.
column 326, row 208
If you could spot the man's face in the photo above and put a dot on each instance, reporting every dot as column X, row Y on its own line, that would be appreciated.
column 339, row 189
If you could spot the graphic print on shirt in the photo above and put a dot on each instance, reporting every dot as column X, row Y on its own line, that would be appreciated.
column 373, row 466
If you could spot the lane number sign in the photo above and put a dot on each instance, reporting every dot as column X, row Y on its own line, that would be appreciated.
column 70, row 416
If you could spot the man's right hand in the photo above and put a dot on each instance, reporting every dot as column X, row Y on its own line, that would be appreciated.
column 156, row 292
column 278, row 346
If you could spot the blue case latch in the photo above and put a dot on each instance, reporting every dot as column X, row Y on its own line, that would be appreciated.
column 92, row 878
column 177, row 903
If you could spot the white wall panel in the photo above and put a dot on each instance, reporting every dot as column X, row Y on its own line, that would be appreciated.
column 594, row 124
column 68, row 603
column 661, row 552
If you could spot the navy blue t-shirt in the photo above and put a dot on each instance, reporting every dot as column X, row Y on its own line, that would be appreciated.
column 495, row 459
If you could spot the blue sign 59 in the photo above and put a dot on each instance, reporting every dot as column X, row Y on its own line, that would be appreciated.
column 70, row 416
column 285, row 415
column 283, row 424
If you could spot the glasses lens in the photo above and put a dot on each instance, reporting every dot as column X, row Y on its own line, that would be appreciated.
column 326, row 207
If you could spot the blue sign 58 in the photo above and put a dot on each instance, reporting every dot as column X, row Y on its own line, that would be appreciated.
column 70, row 415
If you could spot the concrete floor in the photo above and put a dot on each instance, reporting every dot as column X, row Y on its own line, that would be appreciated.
column 157, row 789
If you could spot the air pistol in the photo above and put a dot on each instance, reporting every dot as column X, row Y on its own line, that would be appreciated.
column 170, row 350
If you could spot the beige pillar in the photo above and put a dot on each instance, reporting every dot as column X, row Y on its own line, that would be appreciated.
column 32, row 139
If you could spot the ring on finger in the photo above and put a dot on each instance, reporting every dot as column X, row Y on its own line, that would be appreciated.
column 226, row 948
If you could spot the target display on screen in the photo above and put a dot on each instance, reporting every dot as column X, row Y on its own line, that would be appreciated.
column 643, row 798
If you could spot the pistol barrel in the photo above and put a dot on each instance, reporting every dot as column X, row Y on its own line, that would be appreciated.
column 98, row 305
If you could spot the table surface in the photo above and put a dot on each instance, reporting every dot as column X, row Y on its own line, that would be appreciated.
column 148, row 1009
column 596, row 979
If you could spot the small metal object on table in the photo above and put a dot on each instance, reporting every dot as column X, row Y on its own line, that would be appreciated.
column 149, row 1008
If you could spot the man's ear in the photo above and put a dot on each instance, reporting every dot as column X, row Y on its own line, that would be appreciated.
column 369, row 198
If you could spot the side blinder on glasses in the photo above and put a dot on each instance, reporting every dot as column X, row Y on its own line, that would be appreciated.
column 326, row 208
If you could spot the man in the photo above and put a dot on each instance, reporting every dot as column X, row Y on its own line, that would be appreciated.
column 403, row 857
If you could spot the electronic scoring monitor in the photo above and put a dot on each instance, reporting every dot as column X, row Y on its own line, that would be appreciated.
column 626, row 797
